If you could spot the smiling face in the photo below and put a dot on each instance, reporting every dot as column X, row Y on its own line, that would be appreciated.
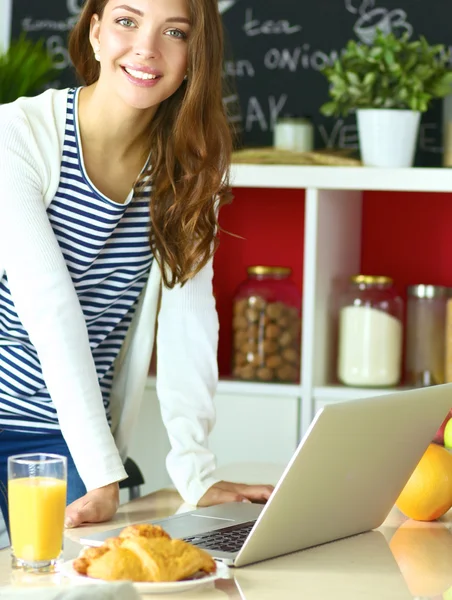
column 143, row 49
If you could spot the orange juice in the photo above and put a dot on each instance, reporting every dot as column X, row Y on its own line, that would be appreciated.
column 36, row 516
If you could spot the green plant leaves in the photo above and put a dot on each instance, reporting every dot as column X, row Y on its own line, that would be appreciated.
column 389, row 57
column 24, row 69
column 329, row 109
column 352, row 78
column 369, row 79
column 392, row 73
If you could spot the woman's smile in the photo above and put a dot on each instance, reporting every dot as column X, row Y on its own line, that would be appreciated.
column 142, row 76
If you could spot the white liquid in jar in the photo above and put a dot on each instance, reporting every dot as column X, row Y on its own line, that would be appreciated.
column 370, row 347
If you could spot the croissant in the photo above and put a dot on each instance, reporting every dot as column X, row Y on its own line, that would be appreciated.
column 147, row 530
column 153, row 556
column 89, row 554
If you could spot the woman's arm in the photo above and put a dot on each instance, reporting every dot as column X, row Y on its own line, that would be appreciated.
column 187, row 376
column 47, row 304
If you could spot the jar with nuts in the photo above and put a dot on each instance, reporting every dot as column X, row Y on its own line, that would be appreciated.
column 267, row 326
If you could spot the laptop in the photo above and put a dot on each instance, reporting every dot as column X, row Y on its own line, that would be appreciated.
column 343, row 479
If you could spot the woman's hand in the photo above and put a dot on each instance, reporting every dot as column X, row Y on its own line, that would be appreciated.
column 225, row 491
column 95, row 506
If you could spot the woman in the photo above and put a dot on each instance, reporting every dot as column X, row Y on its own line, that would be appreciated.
column 107, row 196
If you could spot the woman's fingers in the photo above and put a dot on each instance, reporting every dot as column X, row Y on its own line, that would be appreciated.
column 225, row 491
column 95, row 506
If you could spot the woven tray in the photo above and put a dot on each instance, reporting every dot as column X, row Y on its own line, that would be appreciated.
column 272, row 156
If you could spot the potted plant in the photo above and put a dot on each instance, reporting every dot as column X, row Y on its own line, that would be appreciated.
column 389, row 84
column 25, row 68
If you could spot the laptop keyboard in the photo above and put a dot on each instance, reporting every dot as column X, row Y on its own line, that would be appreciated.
column 229, row 539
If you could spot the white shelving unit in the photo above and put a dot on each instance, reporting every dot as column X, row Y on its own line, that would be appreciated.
column 258, row 421
column 333, row 206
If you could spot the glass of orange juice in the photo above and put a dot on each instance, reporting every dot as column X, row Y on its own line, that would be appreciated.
column 36, row 504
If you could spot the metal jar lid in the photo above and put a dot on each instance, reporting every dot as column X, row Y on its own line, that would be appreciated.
column 371, row 279
column 427, row 291
column 266, row 270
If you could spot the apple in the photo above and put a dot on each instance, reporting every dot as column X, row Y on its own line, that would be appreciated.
column 448, row 594
column 439, row 436
column 448, row 435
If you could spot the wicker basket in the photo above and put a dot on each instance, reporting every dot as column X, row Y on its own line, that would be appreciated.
column 272, row 156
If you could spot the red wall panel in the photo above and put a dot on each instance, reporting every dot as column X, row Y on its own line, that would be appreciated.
column 408, row 236
column 270, row 224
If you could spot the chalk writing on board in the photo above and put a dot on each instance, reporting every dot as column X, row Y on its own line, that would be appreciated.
column 300, row 57
column 372, row 18
column 428, row 141
column 56, row 43
column 265, row 115
column 305, row 57
column 57, row 49
column 345, row 136
column 225, row 5
column 253, row 26
column 73, row 7
column 29, row 25
column 339, row 135
column 233, row 110
column 239, row 68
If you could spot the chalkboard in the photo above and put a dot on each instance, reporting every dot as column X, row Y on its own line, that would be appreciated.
column 274, row 53
column 52, row 20
column 277, row 48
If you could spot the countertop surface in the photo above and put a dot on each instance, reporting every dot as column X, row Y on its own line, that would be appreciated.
column 402, row 559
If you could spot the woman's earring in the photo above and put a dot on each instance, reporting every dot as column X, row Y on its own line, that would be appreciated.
column 97, row 55
column 186, row 77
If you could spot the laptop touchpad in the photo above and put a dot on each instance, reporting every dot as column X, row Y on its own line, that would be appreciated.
column 187, row 525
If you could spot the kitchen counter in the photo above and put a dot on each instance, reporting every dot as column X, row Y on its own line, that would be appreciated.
column 402, row 559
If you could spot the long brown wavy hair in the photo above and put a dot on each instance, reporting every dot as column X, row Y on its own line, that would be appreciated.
column 190, row 145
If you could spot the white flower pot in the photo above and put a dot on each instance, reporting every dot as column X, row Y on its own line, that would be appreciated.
column 388, row 136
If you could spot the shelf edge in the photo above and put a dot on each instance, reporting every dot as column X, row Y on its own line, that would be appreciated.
column 247, row 388
column 415, row 179
column 339, row 393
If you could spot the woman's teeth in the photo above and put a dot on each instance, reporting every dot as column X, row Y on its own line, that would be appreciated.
column 140, row 74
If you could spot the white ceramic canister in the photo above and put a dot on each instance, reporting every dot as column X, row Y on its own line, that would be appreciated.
column 294, row 133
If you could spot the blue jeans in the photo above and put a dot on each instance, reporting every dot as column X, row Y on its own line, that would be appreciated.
column 13, row 442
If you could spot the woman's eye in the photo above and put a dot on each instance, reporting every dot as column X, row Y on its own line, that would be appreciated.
column 126, row 22
column 177, row 33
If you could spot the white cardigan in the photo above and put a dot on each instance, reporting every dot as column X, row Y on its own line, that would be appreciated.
column 31, row 139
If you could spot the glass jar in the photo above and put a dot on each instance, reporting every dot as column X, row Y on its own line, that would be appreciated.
column 370, row 333
column 425, row 339
column 266, row 326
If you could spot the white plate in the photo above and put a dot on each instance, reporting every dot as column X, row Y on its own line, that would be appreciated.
column 164, row 587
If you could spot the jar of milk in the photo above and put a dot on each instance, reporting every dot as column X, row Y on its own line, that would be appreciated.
column 370, row 333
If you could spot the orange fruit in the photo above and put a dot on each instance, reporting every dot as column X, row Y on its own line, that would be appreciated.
column 422, row 552
column 428, row 493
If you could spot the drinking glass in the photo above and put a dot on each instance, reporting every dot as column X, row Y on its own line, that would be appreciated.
column 37, row 502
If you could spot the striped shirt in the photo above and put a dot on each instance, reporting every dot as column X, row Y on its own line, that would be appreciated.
column 106, row 249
